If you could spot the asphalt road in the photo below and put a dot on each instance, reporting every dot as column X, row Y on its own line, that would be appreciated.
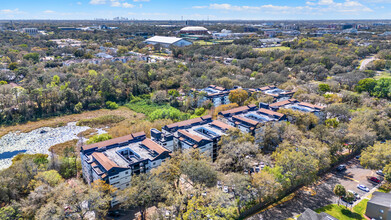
column 321, row 193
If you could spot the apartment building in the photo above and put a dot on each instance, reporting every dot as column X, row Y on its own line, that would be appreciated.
column 298, row 106
column 276, row 93
column 247, row 118
column 216, row 94
column 199, row 133
column 116, row 160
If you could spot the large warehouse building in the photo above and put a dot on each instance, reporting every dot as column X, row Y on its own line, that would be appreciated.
column 194, row 30
column 168, row 41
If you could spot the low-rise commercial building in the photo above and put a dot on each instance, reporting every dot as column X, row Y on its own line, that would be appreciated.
column 167, row 41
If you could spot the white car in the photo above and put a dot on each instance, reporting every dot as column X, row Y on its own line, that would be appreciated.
column 363, row 188
column 225, row 189
column 355, row 194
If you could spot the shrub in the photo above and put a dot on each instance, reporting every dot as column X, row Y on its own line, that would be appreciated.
column 98, row 138
column 111, row 105
column 199, row 111
column 99, row 121
column 323, row 87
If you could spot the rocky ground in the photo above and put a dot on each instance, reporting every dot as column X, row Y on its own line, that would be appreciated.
column 37, row 141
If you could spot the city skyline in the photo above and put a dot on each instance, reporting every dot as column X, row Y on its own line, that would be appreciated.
column 197, row 10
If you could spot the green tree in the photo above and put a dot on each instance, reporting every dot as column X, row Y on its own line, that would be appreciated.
column 145, row 191
column 377, row 156
column 323, row 87
column 339, row 191
column 32, row 56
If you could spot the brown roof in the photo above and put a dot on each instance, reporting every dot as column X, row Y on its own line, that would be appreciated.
column 221, row 125
column 217, row 87
column 104, row 161
column 113, row 141
column 311, row 105
column 282, row 103
column 235, row 110
column 266, row 88
column 154, row 146
column 189, row 122
column 270, row 112
column 191, row 136
column 250, row 121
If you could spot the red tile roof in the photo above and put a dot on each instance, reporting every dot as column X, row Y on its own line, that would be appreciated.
column 154, row 146
column 235, row 110
column 270, row 112
column 221, row 125
column 189, row 122
column 311, row 105
column 191, row 136
column 250, row 121
column 104, row 161
column 282, row 103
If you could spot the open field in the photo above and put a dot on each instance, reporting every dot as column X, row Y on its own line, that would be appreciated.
column 340, row 212
column 63, row 120
column 272, row 48
column 203, row 43
column 383, row 74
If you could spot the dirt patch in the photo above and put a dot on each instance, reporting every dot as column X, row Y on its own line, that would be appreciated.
column 59, row 148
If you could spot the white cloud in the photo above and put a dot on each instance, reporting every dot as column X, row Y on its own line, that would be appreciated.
column 49, row 12
column 127, row 5
column 141, row 0
column 79, row 3
column 320, row 6
column 98, row 2
column 10, row 11
column 115, row 4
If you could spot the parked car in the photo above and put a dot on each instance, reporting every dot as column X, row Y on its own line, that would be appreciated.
column 380, row 173
column 358, row 156
column 344, row 199
column 225, row 189
column 341, row 168
column 374, row 179
column 363, row 188
column 355, row 194
column 114, row 213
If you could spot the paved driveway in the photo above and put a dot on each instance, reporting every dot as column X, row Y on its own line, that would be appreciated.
column 321, row 193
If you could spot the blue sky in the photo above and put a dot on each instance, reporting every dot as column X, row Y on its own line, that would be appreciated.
column 196, row 9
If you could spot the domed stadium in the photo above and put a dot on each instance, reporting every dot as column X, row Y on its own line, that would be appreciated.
column 196, row 30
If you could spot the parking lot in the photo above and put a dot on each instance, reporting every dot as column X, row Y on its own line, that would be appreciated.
column 321, row 193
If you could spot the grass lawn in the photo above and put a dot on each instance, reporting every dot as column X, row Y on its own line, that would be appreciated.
column 272, row 48
column 361, row 207
column 383, row 75
column 342, row 213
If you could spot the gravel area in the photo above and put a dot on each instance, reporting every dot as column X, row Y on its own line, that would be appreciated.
column 37, row 141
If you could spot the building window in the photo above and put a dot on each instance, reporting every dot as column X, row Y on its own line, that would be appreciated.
column 126, row 172
column 381, row 211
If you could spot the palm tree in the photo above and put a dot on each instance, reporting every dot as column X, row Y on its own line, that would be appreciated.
column 339, row 191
